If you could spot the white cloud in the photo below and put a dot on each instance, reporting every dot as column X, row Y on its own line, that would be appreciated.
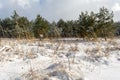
column 21, row 3
column 69, row 9
column 56, row 9
column 25, row 4
column 35, row 0
column 1, row 5
column 116, row 7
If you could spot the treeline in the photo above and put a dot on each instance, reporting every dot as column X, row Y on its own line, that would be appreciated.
column 88, row 25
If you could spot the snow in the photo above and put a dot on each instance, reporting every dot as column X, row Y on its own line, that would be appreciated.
column 110, row 72
column 62, row 59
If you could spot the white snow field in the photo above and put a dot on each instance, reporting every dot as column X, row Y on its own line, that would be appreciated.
column 62, row 59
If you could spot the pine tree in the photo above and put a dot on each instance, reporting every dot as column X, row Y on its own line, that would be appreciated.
column 40, row 26
column 105, row 23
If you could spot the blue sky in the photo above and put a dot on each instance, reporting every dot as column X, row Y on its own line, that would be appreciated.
column 53, row 10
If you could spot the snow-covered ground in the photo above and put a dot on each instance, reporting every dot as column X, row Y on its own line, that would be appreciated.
column 68, row 59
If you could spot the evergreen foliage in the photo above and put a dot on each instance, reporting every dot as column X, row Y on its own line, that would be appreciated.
column 88, row 25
